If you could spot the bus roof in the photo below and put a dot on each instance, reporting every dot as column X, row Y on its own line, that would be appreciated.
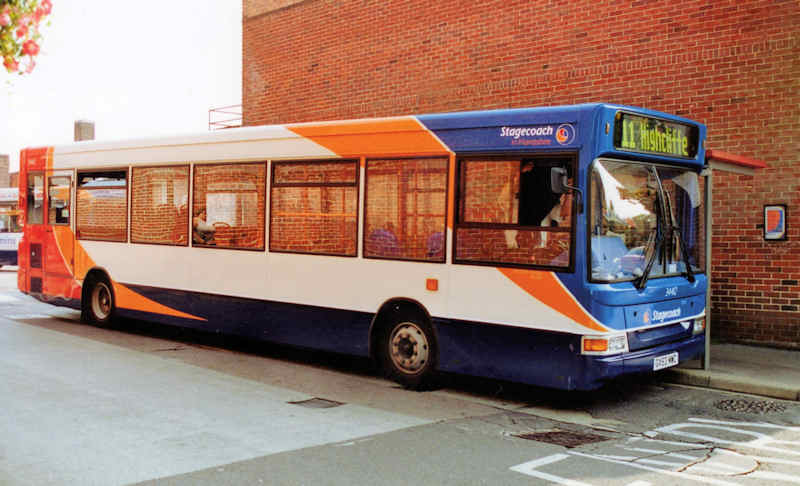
column 558, row 128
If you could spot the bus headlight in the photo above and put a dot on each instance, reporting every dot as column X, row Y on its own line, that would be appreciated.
column 699, row 326
column 611, row 344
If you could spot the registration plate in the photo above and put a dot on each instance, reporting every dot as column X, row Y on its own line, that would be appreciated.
column 661, row 362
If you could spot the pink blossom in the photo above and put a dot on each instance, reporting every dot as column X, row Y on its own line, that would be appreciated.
column 31, row 65
column 47, row 6
column 10, row 64
column 30, row 47
column 24, row 20
column 5, row 19
column 22, row 31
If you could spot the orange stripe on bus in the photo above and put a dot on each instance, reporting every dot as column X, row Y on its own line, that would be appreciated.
column 125, row 297
column 547, row 289
column 128, row 299
column 81, row 261
column 380, row 136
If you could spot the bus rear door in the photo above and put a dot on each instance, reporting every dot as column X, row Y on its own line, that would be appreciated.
column 31, row 252
column 58, row 244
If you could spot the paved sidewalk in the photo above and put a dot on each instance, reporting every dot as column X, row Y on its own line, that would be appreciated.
column 748, row 369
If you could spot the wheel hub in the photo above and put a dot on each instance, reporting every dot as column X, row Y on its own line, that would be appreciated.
column 409, row 348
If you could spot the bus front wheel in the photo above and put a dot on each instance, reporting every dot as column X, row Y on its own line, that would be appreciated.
column 98, row 302
column 409, row 353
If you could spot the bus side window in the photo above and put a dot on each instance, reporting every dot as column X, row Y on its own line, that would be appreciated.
column 58, row 195
column 507, row 212
column 35, row 199
column 536, row 197
column 101, row 205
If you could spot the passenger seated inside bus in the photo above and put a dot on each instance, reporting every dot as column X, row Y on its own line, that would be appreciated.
column 383, row 242
column 538, row 204
column 202, row 232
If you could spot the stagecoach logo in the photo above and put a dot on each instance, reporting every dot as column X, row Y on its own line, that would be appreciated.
column 670, row 314
column 565, row 134
column 517, row 132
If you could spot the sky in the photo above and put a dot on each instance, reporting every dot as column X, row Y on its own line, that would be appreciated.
column 136, row 69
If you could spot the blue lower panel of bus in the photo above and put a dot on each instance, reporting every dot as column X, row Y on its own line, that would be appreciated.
column 543, row 358
column 522, row 355
column 8, row 257
column 322, row 328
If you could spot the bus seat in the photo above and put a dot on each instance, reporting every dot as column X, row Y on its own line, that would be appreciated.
column 436, row 244
column 383, row 242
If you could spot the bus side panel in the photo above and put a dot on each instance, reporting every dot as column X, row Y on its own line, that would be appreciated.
column 23, row 262
column 326, row 329
column 58, row 255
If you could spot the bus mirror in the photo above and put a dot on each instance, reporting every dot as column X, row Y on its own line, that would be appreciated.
column 558, row 180
column 560, row 185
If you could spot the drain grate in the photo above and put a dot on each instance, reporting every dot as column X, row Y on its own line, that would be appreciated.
column 317, row 403
column 750, row 406
column 563, row 438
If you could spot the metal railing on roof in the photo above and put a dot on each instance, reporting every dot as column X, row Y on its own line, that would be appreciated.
column 225, row 117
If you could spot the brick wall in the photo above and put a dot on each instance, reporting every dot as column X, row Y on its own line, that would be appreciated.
column 732, row 65
column 315, row 208
column 160, row 205
column 102, row 214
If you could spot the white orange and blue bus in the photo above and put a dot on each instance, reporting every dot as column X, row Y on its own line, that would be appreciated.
column 559, row 246
column 10, row 229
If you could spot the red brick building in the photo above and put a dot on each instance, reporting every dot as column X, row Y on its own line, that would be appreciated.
column 733, row 65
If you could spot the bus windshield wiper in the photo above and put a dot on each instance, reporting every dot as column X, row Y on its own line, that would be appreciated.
column 656, row 241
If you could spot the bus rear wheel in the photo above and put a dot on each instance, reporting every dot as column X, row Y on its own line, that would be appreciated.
column 409, row 353
column 98, row 302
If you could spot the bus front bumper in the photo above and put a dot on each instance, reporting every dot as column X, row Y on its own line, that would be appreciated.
column 601, row 369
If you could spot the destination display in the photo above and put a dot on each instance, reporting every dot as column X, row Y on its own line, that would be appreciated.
column 653, row 135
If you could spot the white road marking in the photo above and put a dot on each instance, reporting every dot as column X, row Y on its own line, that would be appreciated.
column 760, row 440
column 711, row 463
column 764, row 425
column 680, row 475
column 773, row 476
column 7, row 298
column 529, row 468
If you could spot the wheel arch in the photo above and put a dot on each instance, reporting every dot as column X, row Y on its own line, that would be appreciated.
column 392, row 307
column 94, row 274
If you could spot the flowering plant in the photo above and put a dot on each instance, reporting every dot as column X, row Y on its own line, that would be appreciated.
column 19, row 32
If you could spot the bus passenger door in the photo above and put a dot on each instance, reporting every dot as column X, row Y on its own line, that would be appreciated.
column 35, row 232
column 59, row 242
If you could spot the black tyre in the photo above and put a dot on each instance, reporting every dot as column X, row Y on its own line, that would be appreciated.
column 409, row 352
column 98, row 302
